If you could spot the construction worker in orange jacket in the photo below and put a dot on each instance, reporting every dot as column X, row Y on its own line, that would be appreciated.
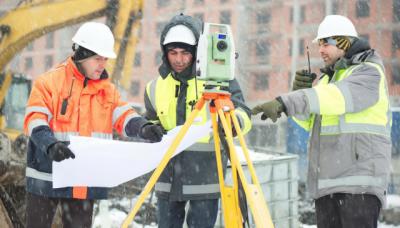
column 74, row 98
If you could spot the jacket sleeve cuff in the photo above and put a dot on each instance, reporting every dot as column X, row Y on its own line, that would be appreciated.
column 296, row 102
column 279, row 99
column 43, row 138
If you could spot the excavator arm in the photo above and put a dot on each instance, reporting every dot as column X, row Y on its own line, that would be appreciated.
column 18, row 28
column 125, row 26
column 36, row 18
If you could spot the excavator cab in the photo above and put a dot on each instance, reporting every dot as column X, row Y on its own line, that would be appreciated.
column 14, row 93
column 18, row 27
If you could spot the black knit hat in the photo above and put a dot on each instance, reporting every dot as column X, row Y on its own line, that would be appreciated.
column 81, row 53
column 341, row 42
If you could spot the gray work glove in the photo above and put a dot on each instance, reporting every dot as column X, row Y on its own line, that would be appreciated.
column 271, row 109
column 303, row 80
column 59, row 151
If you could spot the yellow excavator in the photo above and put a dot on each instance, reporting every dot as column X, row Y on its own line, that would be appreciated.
column 29, row 20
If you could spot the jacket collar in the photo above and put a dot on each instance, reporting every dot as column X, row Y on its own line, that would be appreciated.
column 77, row 70
column 360, row 51
column 187, row 74
column 93, row 86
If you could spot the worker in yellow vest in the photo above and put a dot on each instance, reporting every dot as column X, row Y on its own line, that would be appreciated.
column 190, row 177
column 348, row 115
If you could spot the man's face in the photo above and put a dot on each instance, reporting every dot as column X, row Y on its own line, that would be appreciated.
column 179, row 59
column 329, row 53
column 94, row 66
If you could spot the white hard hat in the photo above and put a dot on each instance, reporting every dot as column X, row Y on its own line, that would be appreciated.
column 181, row 34
column 96, row 37
column 335, row 25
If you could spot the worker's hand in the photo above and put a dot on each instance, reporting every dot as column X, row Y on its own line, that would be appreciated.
column 59, row 151
column 152, row 132
column 303, row 80
column 271, row 109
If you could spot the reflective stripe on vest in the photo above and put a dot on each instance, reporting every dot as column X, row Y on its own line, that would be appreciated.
column 163, row 187
column 151, row 92
column 39, row 109
column 202, row 147
column 78, row 192
column 200, row 189
column 119, row 111
column 101, row 135
column 189, row 189
column 351, row 181
column 244, row 120
column 33, row 173
column 355, row 127
column 163, row 97
column 353, row 122
column 64, row 136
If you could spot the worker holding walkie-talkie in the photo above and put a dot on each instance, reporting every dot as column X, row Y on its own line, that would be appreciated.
column 304, row 78
column 348, row 115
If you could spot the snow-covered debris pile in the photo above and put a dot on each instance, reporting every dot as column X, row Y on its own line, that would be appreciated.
column 111, row 213
column 391, row 214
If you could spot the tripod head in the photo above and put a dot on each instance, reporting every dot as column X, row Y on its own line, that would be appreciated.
column 216, row 87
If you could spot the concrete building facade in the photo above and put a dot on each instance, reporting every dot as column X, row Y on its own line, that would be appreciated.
column 271, row 37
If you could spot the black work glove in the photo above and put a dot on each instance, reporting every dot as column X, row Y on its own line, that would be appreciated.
column 303, row 80
column 152, row 132
column 271, row 109
column 59, row 151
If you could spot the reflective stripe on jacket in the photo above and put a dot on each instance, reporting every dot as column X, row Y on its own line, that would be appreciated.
column 335, row 104
column 60, row 102
column 349, row 117
column 192, row 174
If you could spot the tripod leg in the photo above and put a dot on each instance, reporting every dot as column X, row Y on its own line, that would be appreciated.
column 233, row 165
column 244, row 148
column 232, row 215
column 253, row 192
column 167, row 157
column 260, row 210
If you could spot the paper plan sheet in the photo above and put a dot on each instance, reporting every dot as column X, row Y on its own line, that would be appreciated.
column 108, row 163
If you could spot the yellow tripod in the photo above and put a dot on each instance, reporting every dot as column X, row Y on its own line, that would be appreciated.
column 221, row 105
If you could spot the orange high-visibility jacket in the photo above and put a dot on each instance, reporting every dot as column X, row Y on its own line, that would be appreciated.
column 61, row 101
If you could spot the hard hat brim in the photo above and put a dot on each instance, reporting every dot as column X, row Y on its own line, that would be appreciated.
column 180, row 34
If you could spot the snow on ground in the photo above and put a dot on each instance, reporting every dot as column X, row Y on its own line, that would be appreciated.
column 380, row 225
column 111, row 217
column 114, row 219
column 393, row 201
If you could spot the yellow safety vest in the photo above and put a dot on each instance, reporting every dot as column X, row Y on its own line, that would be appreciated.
column 164, row 100
column 373, row 120
column 161, row 93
